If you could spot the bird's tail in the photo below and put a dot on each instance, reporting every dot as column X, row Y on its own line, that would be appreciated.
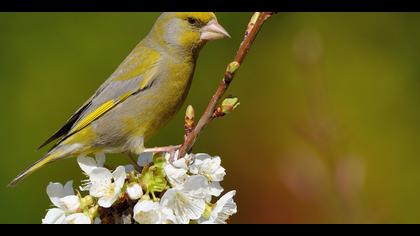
column 49, row 157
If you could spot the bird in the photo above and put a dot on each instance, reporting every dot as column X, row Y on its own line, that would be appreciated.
column 141, row 95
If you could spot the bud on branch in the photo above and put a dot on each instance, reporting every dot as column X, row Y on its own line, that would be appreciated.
column 254, row 26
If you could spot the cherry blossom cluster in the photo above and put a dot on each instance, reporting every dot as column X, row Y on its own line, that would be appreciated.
column 154, row 191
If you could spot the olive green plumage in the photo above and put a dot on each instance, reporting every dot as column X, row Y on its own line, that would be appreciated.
column 141, row 96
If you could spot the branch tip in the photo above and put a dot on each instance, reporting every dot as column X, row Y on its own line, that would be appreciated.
column 212, row 111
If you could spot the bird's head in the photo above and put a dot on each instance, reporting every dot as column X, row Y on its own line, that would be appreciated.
column 188, row 30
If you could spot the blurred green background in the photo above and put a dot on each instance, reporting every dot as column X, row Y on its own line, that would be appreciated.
column 328, row 129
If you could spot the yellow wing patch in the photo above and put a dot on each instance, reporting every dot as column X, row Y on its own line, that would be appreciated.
column 149, row 76
column 94, row 115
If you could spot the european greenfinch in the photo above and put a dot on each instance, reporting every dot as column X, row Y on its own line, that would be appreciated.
column 141, row 96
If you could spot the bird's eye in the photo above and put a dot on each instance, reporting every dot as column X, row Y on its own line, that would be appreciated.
column 192, row 21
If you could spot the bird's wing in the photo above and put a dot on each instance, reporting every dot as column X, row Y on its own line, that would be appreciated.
column 135, row 74
column 67, row 126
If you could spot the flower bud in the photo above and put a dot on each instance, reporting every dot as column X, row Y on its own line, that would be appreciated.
column 229, row 104
column 134, row 191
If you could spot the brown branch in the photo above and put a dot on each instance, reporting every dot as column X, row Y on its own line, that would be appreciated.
column 251, row 32
column 162, row 149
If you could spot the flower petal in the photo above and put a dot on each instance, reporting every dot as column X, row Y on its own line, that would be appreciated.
column 180, row 163
column 107, row 201
column 202, row 156
column 134, row 191
column 218, row 174
column 87, row 164
column 168, row 216
column 146, row 212
column 185, row 206
column 101, row 182
column 54, row 216
column 78, row 218
column 71, row 203
column 225, row 207
column 55, row 191
column 197, row 186
column 207, row 222
column 99, row 190
column 208, row 166
column 119, row 177
column 100, row 175
column 215, row 189
column 145, row 158
column 68, row 188
column 176, row 176
column 168, row 198
column 100, row 159
column 193, row 210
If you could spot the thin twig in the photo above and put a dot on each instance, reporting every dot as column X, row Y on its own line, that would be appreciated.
column 252, row 30
column 162, row 149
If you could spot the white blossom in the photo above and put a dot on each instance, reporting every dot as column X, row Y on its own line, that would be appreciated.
column 188, row 185
column 134, row 191
column 54, row 216
column 88, row 164
column 215, row 189
column 188, row 200
column 176, row 173
column 208, row 166
column 223, row 209
column 179, row 162
column 78, row 218
column 71, row 203
column 63, row 196
column 106, row 185
column 56, row 191
column 149, row 212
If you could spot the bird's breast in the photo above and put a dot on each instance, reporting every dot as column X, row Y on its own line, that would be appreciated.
column 155, row 106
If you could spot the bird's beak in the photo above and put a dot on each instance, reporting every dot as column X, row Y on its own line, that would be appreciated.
column 212, row 31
